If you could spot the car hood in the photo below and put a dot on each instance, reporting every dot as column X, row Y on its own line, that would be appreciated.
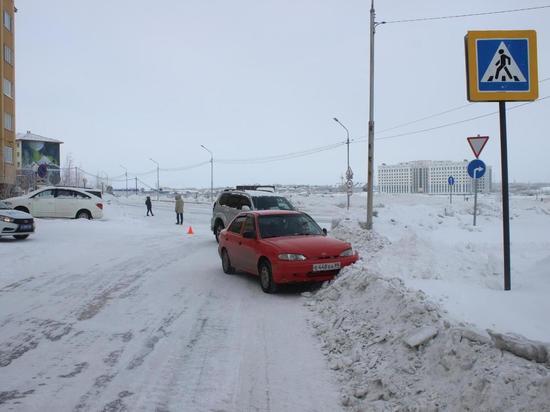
column 310, row 246
column 15, row 214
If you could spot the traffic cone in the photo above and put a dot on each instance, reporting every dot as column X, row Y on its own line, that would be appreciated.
column 190, row 231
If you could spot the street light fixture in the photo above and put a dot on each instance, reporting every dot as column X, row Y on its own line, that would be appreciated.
column 349, row 173
column 158, row 181
column 211, row 171
column 126, row 174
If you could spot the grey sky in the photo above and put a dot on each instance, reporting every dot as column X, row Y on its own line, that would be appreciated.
column 122, row 81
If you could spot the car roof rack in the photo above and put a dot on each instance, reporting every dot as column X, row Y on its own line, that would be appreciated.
column 262, row 188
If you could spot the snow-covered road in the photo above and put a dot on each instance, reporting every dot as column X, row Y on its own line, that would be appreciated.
column 132, row 313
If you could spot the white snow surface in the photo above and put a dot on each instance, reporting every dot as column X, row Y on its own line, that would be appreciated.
column 133, row 313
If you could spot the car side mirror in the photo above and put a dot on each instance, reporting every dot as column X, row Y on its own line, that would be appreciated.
column 325, row 231
column 249, row 235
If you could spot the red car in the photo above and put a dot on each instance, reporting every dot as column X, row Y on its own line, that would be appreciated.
column 282, row 247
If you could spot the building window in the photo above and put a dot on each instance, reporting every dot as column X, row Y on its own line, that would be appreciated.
column 7, row 88
column 8, row 121
column 7, row 21
column 8, row 54
column 8, row 154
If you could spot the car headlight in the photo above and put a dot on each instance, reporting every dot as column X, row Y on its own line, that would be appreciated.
column 347, row 252
column 291, row 256
column 6, row 219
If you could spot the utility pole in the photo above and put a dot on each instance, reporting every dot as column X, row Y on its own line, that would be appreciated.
column 349, row 173
column 126, row 174
column 370, row 169
column 136, row 185
column 158, row 181
column 211, row 172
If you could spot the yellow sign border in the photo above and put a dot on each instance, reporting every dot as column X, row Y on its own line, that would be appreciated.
column 475, row 95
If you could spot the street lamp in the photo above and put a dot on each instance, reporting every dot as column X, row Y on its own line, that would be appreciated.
column 126, row 174
column 158, row 181
column 349, row 173
column 211, row 172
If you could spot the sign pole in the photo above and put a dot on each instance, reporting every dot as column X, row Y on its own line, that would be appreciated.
column 505, row 198
column 451, row 194
column 475, row 196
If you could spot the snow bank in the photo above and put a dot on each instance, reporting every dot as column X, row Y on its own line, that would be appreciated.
column 418, row 323
column 394, row 349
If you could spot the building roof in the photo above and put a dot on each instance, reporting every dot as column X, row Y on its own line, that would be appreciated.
column 36, row 137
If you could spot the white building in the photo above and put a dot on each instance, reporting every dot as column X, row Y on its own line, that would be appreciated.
column 430, row 176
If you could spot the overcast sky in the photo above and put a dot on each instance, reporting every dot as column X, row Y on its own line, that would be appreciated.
column 124, row 81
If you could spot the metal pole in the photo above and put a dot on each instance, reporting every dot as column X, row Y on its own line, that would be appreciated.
column 505, row 196
column 347, row 143
column 475, row 196
column 370, row 169
column 126, row 175
column 211, row 171
column 451, row 193
column 158, row 181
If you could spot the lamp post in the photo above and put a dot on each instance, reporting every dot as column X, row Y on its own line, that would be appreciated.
column 158, row 181
column 349, row 174
column 211, row 172
column 126, row 174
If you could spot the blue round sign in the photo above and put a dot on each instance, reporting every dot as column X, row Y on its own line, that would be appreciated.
column 451, row 180
column 42, row 170
column 476, row 168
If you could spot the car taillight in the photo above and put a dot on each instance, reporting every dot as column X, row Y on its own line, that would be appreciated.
column 100, row 205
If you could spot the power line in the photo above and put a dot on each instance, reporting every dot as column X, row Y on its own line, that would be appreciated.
column 464, row 15
column 454, row 123
column 437, row 114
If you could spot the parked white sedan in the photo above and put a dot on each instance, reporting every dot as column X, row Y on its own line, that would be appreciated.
column 69, row 202
column 15, row 223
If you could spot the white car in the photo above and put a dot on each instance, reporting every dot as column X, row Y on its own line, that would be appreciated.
column 69, row 202
column 15, row 223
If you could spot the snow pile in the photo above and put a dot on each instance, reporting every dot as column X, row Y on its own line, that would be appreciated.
column 421, row 321
column 396, row 350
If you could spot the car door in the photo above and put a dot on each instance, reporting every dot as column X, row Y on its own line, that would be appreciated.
column 65, row 203
column 43, row 204
column 248, row 245
column 233, row 241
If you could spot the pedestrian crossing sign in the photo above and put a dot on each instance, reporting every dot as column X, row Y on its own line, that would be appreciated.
column 501, row 65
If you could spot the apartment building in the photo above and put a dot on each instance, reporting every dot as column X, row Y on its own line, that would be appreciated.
column 7, row 101
column 431, row 177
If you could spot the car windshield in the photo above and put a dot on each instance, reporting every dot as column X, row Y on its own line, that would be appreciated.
column 4, row 206
column 288, row 225
column 271, row 202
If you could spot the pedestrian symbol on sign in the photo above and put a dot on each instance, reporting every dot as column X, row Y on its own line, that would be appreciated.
column 503, row 67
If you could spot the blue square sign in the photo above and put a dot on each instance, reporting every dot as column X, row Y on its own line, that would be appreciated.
column 503, row 64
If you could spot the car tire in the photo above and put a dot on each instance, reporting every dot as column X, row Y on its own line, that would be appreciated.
column 217, row 229
column 226, row 263
column 83, row 214
column 20, row 237
column 21, row 209
column 266, row 278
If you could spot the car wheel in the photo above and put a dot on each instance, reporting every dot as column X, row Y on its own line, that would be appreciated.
column 83, row 214
column 266, row 278
column 20, row 237
column 22, row 209
column 217, row 229
column 226, row 263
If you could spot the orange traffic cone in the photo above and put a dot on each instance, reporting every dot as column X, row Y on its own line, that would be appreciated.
column 190, row 231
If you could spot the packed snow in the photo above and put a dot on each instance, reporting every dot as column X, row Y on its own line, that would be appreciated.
column 133, row 313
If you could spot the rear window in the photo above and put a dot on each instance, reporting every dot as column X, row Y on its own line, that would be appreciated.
column 272, row 202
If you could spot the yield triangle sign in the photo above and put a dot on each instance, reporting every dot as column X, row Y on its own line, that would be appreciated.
column 477, row 144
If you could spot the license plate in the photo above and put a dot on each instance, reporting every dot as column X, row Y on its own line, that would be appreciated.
column 321, row 267
column 25, row 227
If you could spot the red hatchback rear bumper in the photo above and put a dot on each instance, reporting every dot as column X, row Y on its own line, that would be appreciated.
column 318, row 270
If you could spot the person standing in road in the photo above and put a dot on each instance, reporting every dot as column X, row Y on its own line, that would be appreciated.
column 149, row 206
column 179, row 209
